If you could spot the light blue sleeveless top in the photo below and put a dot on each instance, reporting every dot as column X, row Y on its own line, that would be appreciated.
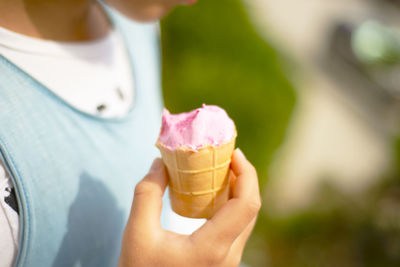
column 75, row 173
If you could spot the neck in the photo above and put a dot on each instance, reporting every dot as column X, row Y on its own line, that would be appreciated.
column 60, row 20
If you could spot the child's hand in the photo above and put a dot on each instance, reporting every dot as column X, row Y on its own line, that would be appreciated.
column 219, row 242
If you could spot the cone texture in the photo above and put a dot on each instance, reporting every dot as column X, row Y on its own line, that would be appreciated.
column 198, row 180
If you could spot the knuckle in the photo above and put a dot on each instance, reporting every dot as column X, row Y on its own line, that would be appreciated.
column 253, row 207
column 143, row 188
column 252, row 169
column 215, row 255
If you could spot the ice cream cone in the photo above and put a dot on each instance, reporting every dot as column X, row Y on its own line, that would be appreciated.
column 198, row 179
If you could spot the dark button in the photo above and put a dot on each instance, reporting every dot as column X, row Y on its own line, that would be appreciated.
column 101, row 107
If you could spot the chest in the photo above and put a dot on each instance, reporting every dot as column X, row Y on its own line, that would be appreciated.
column 74, row 173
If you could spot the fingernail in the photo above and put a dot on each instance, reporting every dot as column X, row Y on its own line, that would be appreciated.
column 157, row 165
column 240, row 153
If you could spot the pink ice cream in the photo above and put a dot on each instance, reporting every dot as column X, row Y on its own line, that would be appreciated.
column 205, row 126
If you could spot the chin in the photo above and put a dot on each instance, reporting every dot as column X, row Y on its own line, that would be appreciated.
column 151, row 14
column 141, row 13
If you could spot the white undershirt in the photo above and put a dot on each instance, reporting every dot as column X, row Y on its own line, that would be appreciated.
column 94, row 77
column 86, row 75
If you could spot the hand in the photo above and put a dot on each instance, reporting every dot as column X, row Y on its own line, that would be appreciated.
column 219, row 242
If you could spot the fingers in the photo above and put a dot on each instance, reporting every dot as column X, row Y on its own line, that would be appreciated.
column 235, row 253
column 232, row 183
column 240, row 242
column 233, row 218
column 247, row 181
column 147, row 202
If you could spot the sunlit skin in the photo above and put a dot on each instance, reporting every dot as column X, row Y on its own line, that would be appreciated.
column 76, row 20
column 221, row 240
column 147, row 10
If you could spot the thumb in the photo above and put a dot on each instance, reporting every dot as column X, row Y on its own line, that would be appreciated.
column 147, row 201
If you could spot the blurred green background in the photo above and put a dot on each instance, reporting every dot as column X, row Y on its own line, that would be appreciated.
column 213, row 55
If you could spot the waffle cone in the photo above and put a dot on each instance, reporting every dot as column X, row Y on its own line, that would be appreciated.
column 198, row 180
